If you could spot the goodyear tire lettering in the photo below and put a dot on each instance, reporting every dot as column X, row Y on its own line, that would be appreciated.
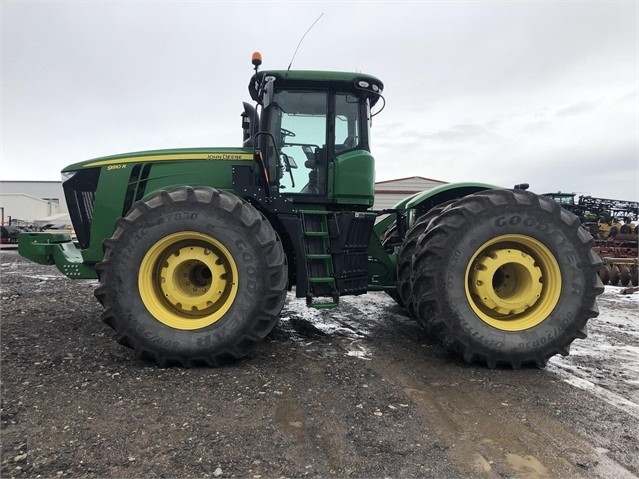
column 460, row 262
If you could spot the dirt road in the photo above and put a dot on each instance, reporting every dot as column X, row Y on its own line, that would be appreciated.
column 355, row 392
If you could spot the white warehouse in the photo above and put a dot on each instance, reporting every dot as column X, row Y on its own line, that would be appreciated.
column 33, row 202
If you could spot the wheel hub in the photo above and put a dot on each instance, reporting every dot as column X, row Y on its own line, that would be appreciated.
column 193, row 278
column 513, row 282
column 188, row 280
column 506, row 281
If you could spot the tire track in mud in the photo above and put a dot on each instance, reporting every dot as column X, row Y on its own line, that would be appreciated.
column 484, row 419
column 361, row 418
column 615, row 400
column 490, row 437
column 321, row 442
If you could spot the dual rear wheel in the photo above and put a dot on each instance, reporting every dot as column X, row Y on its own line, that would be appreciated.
column 504, row 277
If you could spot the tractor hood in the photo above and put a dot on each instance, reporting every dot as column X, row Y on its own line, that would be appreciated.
column 151, row 156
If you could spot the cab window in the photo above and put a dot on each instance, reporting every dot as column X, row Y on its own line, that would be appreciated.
column 347, row 129
column 299, row 127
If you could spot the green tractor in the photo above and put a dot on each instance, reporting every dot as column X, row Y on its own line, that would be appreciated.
column 195, row 249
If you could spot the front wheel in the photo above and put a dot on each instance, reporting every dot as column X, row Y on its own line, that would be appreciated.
column 192, row 276
column 506, row 277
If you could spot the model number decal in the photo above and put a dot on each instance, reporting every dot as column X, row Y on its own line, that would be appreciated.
column 224, row 156
column 116, row 167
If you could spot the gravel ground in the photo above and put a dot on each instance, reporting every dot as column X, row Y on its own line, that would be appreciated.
column 359, row 391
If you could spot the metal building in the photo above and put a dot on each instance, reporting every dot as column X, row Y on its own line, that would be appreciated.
column 388, row 193
column 33, row 202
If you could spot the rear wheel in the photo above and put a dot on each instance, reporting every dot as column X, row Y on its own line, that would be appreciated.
column 405, row 257
column 506, row 277
column 192, row 276
column 604, row 274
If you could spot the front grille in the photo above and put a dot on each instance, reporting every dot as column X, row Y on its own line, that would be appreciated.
column 79, row 192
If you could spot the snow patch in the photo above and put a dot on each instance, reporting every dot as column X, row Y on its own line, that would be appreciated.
column 43, row 277
column 357, row 350
column 606, row 363
column 351, row 322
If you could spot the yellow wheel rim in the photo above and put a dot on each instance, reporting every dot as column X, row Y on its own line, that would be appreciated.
column 513, row 282
column 188, row 280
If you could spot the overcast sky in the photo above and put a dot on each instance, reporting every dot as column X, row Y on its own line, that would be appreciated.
column 498, row 92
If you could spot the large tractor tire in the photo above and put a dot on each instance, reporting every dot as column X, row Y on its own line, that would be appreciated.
column 506, row 277
column 405, row 257
column 192, row 276
column 390, row 239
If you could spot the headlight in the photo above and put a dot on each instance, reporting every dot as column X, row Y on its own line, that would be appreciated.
column 67, row 175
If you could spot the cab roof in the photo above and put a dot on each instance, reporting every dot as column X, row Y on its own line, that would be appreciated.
column 317, row 78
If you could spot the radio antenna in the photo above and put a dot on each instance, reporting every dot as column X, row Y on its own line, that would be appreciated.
column 298, row 45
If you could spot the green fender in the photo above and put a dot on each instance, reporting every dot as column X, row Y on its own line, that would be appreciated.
column 424, row 201
column 382, row 265
column 419, row 203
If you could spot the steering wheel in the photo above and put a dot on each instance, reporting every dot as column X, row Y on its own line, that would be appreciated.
column 286, row 132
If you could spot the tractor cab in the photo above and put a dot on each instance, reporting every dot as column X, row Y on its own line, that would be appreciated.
column 311, row 134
